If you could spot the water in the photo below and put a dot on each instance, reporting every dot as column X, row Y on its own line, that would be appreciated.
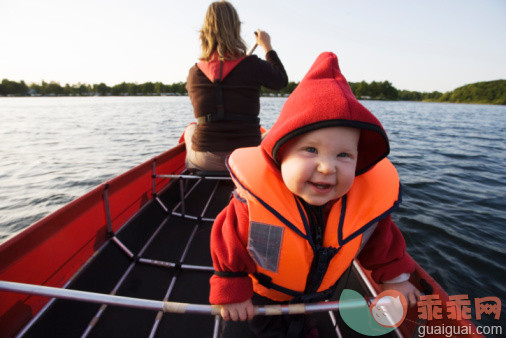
column 451, row 159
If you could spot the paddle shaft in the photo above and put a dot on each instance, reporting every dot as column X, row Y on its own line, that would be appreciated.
column 170, row 307
column 252, row 49
column 254, row 46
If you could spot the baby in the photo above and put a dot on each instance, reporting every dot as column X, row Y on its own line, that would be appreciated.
column 317, row 193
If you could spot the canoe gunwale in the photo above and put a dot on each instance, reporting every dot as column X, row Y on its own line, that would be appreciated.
column 373, row 289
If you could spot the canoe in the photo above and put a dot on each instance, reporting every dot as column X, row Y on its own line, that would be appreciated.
column 131, row 259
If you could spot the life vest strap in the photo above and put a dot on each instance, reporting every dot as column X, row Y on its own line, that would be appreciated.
column 315, row 297
column 220, row 112
column 266, row 281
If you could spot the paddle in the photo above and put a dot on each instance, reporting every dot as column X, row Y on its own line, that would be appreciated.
column 254, row 46
column 170, row 307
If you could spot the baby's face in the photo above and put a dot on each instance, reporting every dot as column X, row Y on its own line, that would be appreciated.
column 319, row 166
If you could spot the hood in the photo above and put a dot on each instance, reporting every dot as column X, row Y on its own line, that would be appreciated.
column 324, row 99
column 213, row 67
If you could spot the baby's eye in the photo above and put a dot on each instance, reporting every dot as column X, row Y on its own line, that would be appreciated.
column 343, row 155
column 311, row 150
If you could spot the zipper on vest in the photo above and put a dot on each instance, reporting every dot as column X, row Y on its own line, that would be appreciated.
column 321, row 255
column 319, row 266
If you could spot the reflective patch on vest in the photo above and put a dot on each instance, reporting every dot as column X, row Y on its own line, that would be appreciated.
column 264, row 245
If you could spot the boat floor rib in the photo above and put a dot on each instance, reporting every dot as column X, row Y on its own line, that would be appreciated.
column 162, row 253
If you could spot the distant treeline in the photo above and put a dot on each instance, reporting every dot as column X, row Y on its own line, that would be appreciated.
column 491, row 92
column 11, row 88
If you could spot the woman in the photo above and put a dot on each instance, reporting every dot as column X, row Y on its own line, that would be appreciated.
column 224, row 88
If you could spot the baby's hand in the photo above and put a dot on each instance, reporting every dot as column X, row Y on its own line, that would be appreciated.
column 409, row 291
column 238, row 311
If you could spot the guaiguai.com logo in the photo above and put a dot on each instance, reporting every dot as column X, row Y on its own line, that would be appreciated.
column 386, row 312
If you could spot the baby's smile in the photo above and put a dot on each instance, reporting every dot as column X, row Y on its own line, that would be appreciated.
column 321, row 186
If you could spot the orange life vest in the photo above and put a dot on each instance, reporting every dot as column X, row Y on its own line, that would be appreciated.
column 280, row 240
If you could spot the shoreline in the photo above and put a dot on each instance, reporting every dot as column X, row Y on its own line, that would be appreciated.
column 272, row 95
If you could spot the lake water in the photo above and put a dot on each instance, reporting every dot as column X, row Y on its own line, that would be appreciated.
column 451, row 159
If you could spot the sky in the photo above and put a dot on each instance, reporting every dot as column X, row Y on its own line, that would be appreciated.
column 416, row 45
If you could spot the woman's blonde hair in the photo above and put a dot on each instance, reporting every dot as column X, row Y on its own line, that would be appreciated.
column 221, row 32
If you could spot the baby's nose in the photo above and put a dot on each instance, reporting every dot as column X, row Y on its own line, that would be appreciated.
column 326, row 166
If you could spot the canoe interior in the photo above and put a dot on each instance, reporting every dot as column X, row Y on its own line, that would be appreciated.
column 112, row 268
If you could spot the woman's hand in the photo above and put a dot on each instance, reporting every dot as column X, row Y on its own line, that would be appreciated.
column 263, row 40
column 238, row 311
